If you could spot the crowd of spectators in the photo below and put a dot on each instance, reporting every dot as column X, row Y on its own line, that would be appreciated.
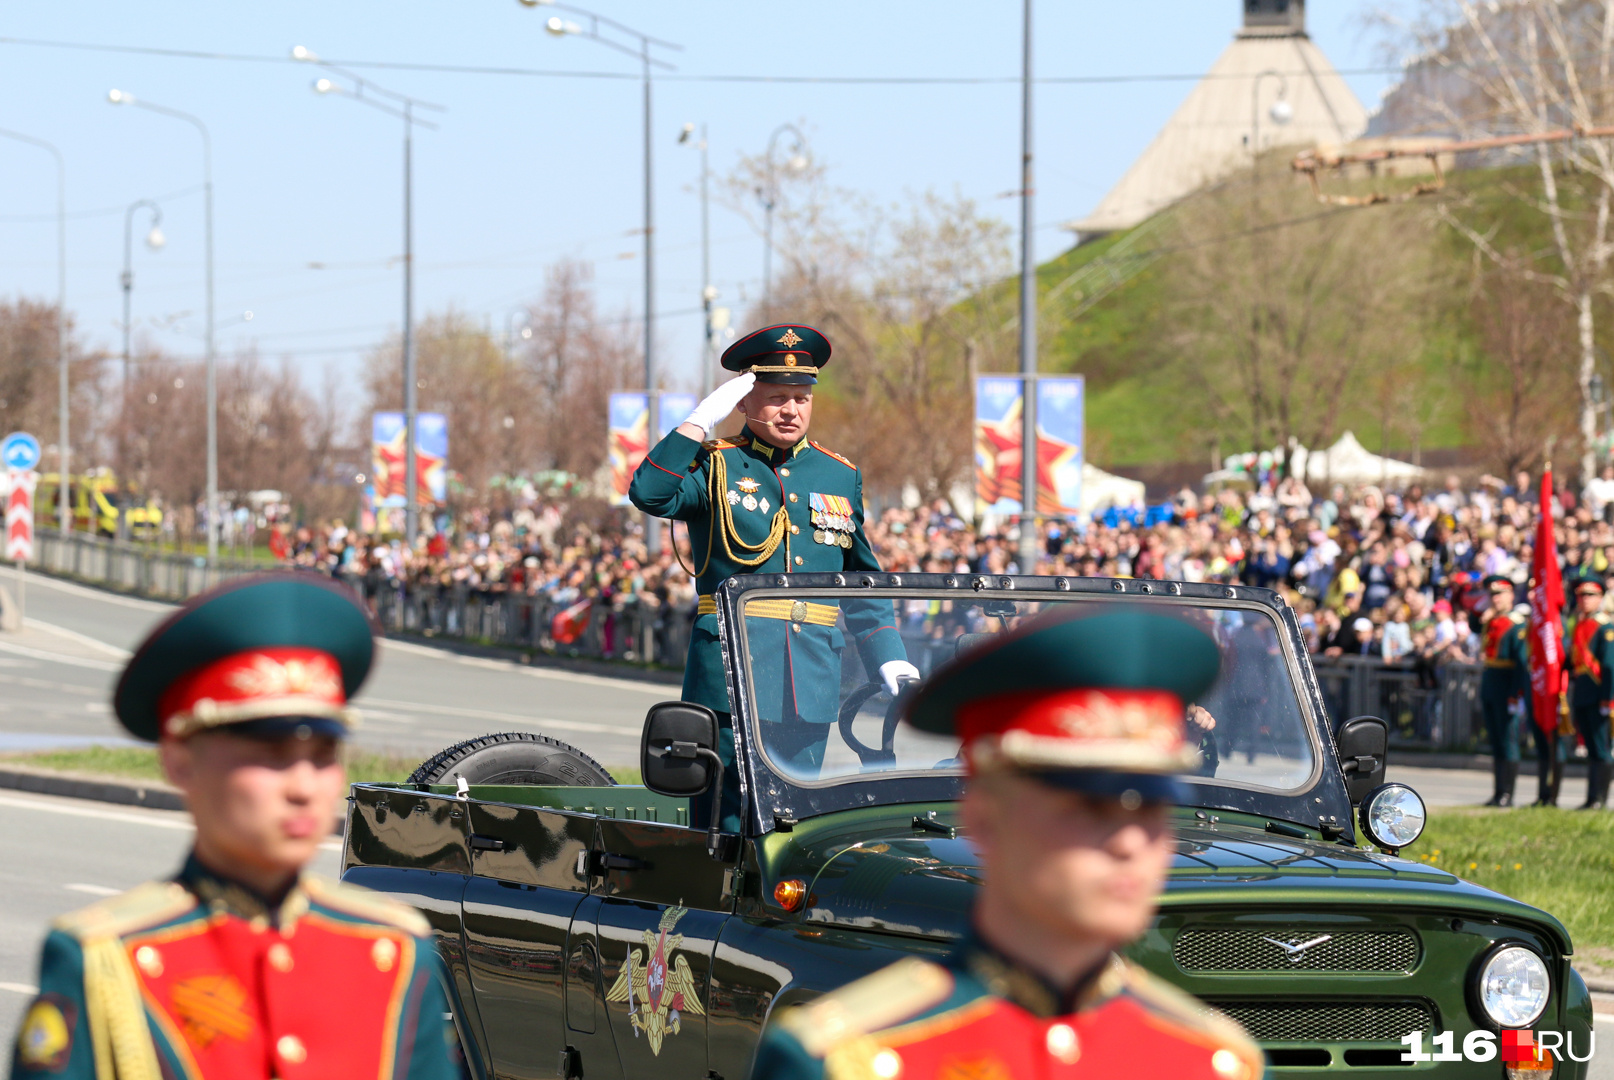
column 1369, row 571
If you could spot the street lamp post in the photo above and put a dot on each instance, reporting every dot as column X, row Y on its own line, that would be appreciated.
column 64, row 511
column 606, row 31
column 1282, row 112
column 708, row 290
column 121, row 97
column 1028, row 318
column 769, row 197
column 154, row 241
column 404, row 109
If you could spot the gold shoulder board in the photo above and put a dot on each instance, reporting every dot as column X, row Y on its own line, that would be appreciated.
column 361, row 902
column 116, row 916
column 1238, row 1058
column 886, row 998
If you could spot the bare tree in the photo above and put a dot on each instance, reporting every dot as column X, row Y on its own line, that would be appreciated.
column 29, row 370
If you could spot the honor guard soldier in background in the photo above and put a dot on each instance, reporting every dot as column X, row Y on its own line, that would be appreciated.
column 243, row 965
column 1504, row 685
column 769, row 500
column 1589, row 641
column 1071, row 729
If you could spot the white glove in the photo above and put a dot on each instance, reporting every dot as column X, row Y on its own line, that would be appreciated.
column 894, row 670
column 721, row 402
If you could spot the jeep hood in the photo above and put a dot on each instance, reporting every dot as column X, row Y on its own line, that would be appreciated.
column 885, row 874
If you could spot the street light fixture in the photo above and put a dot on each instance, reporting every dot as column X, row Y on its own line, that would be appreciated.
column 64, row 514
column 403, row 107
column 123, row 97
column 768, row 196
column 155, row 241
column 606, row 32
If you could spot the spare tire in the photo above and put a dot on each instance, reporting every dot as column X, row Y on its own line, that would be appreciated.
column 514, row 757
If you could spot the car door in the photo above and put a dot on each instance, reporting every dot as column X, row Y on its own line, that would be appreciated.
column 517, row 911
column 653, row 918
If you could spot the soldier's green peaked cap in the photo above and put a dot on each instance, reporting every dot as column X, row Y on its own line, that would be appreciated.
column 788, row 353
column 1090, row 695
column 268, row 654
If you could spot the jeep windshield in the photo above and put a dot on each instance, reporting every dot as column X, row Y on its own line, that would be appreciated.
column 817, row 718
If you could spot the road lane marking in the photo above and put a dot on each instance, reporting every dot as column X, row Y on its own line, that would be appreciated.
column 524, row 669
column 153, row 818
column 19, row 988
column 51, row 685
column 1606, row 1018
column 82, row 639
column 99, row 594
column 93, row 890
column 60, row 658
column 501, row 717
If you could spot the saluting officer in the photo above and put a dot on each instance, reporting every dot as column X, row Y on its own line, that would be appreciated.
column 1589, row 641
column 1504, row 686
column 1072, row 727
column 769, row 500
column 243, row 965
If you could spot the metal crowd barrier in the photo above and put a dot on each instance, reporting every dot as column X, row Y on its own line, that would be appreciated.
column 130, row 567
column 1428, row 708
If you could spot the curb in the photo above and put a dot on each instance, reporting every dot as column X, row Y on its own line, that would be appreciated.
column 120, row 792
column 1598, row 986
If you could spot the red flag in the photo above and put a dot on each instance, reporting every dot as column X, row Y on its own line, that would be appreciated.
column 1546, row 611
column 569, row 625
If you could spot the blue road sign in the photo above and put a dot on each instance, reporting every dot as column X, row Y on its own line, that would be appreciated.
column 20, row 451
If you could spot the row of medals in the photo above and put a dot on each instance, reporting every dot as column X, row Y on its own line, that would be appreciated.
column 832, row 529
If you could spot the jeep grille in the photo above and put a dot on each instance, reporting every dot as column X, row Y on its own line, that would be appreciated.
column 1329, row 1021
column 1216, row 950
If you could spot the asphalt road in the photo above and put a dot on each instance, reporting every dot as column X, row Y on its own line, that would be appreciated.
column 57, row 674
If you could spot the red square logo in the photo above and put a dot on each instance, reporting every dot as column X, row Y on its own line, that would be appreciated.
column 1518, row 1046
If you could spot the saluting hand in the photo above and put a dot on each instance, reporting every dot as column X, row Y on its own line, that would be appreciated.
column 721, row 402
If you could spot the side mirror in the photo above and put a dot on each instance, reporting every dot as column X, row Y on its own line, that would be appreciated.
column 1363, row 743
column 678, row 756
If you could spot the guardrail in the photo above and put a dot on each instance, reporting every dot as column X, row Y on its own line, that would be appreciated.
column 130, row 567
column 1427, row 708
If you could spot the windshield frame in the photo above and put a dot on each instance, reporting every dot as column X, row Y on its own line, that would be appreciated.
column 772, row 796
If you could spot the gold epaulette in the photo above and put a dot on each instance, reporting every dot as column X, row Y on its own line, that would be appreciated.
column 117, row 916
column 1194, row 1015
column 825, row 450
column 887, row 997
column 365, row 904
column 719, row 444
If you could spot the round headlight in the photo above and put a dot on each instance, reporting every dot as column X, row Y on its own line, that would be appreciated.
column 1513, row 987
column 1393, row 816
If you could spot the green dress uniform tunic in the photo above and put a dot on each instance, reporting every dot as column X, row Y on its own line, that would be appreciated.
column 752, row 507
column 1589, row 641
column 1505, row 678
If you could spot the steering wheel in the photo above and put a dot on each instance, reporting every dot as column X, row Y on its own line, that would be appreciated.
column 885, row 753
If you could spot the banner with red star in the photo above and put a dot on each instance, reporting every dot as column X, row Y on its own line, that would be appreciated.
column 627, row 433
column 388, row 458
column 999, row 408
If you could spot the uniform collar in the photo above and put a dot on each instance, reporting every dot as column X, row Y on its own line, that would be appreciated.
column 768, row 450
column 1013, row 981
column 224, row 895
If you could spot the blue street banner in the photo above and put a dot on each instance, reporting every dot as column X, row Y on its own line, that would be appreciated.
column 626, row 439
column 388, row 458
column 1061, row 410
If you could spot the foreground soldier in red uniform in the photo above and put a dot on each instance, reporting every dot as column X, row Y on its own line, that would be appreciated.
column 1072, row 729
column 243, row 965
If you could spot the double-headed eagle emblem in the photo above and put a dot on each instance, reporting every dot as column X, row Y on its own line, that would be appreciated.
column 658, row 993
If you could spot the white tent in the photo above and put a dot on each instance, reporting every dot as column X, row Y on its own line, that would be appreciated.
column 1349, row 462
column 1102, row 490
column 1271, row 60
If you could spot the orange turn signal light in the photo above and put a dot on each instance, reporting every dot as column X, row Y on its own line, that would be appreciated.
column 790, row 893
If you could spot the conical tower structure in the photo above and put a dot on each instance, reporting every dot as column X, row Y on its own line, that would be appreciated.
column 1232, row 110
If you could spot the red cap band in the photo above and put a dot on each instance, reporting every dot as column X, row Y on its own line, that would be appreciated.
column 1076, row 728
column 286, row 681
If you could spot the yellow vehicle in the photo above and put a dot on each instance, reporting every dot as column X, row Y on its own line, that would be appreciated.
column 97, row 502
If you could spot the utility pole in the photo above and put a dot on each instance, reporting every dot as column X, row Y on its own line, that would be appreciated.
column 1028, row 320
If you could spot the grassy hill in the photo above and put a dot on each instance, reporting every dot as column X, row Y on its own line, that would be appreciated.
column 1128, row 311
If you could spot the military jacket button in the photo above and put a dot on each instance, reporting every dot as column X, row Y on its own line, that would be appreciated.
column 887, row 1065
column 784, row 472
column 795, row 529
column 280, row 957
column 798, row 560
column 150, row 961
column 1226, row 1063
column 291, row 1050
column 792, row 496
column 1062, row 1044
column 384, row 953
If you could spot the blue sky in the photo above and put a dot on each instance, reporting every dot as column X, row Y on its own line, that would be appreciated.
column 526, row 170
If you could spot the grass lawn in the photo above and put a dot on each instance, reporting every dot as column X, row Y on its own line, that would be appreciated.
column 140, row 763
column 1558, row 860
